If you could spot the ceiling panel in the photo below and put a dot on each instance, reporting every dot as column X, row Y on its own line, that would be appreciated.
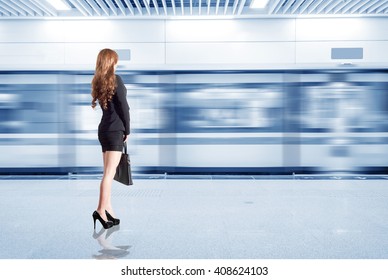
column 171, row 8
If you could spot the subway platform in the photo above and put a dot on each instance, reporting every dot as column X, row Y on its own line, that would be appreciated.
column 197, row 217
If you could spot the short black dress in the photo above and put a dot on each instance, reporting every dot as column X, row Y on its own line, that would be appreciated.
column 115, row 121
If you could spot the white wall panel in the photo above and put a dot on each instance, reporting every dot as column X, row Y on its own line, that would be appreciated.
column 141, row 53
column 29, row 31
column 244, row 41
column 115, row 31
column 194, row 53
column 325, row 29
column 29, row 54
column 230, row 30
column 320, row 52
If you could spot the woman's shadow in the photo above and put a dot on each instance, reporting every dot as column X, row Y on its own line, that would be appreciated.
column 109, row 251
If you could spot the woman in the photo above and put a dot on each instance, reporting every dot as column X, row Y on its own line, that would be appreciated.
column 109, row 90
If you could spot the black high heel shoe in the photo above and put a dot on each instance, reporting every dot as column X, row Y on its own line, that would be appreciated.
column 113, row 220
column 105, row 224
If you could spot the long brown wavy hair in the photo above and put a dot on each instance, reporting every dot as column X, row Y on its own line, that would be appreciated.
column 104, row 80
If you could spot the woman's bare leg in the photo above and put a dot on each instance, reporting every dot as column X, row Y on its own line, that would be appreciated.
column 111, row 160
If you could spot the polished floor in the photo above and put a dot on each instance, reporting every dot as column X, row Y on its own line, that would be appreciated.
column 204, row 217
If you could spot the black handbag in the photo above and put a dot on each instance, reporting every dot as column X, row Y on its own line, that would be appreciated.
column 123, row 170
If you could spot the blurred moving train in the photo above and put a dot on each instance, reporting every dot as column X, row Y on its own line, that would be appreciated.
column 208, row 121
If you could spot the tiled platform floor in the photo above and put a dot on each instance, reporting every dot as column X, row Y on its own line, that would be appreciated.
column 50, row 217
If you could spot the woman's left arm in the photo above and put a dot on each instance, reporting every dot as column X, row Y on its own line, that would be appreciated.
column 123, row 105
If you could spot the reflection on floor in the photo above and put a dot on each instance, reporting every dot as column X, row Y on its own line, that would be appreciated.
column 186, row 217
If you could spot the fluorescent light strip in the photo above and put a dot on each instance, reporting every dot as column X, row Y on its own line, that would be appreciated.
column 59, row 5
column 258, row 4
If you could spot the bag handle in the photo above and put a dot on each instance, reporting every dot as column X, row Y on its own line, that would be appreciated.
column 125, row 151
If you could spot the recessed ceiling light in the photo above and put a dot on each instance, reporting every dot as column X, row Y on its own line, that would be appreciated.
column 258, row 4
column 59, row 5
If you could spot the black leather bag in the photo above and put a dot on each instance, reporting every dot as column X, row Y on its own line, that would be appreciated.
column 123, row 170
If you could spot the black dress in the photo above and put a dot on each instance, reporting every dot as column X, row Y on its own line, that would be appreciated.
column 115, row 120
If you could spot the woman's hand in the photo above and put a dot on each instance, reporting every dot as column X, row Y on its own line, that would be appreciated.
column 125, row 138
